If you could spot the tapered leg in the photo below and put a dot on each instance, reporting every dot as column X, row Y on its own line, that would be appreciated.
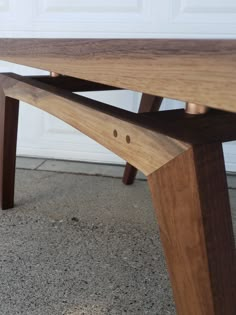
column 8, row 136
column 191, row 199
column 149, row 103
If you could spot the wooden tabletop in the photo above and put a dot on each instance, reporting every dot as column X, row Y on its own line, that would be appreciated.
column 200, row 71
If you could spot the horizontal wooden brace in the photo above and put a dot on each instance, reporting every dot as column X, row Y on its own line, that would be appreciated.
column 73, row 84
column 118, row 130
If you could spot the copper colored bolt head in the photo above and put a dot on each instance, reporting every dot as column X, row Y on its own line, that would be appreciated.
column 54, row 74
column 196, row 109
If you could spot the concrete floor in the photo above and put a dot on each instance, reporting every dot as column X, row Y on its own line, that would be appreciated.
column 82, row 245
column 73, row 167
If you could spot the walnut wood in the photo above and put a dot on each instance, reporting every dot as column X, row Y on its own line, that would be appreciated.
column 89, row 116
column 149, row 103
column 198, row 71
column 73, row 84
column 191, row 199
column 214, row 126
column 129, row 175
column 187, row 181
column 8, row 136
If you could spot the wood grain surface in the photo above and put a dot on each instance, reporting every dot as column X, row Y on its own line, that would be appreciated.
column 118, row 130
column 191, row 199
column 148, row 103
column 199, row 71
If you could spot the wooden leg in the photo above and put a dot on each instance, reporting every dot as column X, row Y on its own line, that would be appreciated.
column 8, row 136
column 149, row 103
column 191, row 199
column 129, row 174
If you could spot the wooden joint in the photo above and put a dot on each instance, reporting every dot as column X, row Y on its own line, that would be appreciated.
column 127, row 138
column 164, row 134
column 135, row 142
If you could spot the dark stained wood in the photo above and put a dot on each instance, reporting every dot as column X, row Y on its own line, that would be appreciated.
column 8, row 136
column 198, row 71
column 191, row 199
column 149, row 103
column 73, row 84
column 129, row 175
column 214, row 126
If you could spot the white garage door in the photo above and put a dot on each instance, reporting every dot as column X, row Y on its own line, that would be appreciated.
column 43, row 135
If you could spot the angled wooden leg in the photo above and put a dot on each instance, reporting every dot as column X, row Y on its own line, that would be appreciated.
column 149, row 103
column 191, row 199
column 8, row 136
column 129, row 175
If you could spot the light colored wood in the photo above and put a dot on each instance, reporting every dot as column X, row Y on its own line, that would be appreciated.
column 198, row 71
column 148, row 103
column 116, row 129
column 191, row 199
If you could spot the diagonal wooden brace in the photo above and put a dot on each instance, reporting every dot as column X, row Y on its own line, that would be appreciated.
column 120, row 131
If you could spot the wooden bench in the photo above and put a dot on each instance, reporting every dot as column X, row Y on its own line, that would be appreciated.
column 180, row 153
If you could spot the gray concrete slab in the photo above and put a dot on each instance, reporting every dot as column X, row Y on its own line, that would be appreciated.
column 232, row 194
column 85, row 168
column 82, row 245
column 28, row 163
column 231, row 179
